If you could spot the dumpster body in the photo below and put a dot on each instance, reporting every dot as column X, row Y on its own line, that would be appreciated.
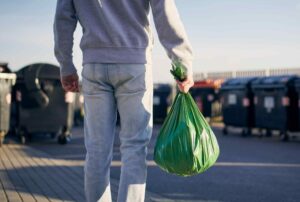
column 162, row 98
column 205, row 94
column 297, row 86
column 40, row 105
column 276, row 104
column 7, row 80
column 237, row 104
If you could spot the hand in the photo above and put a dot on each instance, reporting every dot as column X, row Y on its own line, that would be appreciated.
column 70, row 83
column 186, row 84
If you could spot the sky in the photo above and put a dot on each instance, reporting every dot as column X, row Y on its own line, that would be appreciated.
column 226, row 35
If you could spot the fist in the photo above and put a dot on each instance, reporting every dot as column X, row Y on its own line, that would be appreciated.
column 70, row 83
column 185, row 85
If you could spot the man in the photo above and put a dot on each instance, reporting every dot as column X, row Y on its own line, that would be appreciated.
column 116, row 46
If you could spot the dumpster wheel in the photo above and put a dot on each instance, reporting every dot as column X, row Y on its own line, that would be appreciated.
column 268, row 133
column 246, row 132
column 284, row 136
column 23, row 139
column 22, row 134
column 225, row 131
column 64, row 138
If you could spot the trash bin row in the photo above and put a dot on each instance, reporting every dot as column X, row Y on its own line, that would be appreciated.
column 267, row 103
column 38, row 104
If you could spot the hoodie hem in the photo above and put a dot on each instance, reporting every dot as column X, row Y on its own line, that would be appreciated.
column 115, row 55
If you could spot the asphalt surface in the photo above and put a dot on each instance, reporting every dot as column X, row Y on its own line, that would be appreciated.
column 259, row 169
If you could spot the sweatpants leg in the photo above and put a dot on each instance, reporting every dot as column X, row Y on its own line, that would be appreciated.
column 134, row 99
column 99, row 130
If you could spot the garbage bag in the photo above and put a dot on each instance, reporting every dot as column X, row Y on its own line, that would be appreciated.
column 186, row 145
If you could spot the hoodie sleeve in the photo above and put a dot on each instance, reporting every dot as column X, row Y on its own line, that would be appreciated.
column 171, row 32
column 65, row 23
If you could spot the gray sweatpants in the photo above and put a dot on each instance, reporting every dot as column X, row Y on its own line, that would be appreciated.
column 106, row 88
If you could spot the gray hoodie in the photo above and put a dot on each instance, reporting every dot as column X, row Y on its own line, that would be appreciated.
column 118, row 31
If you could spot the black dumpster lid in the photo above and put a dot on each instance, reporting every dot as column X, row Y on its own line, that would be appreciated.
column 42, row 70
column 238, row 82
column 274, row 81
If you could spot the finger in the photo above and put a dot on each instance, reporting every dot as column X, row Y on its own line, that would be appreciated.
column 70, row 84
column 67, row 83
column 73, row 89
column 185, row 82
column 76, row 89
column 188, row 82
column 186, row 89
column 68, row 87
column 179, row 83
column 180, row 88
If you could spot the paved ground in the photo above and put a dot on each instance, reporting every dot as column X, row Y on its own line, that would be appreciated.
column 30, row 175
column 249, row 169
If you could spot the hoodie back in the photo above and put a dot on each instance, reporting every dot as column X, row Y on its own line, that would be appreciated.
column 118, row 31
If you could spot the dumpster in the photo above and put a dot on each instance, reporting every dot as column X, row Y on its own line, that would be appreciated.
column 40, row 105
column 205, row 94
column 276, row 104
column 7, row 80
column 162, row 98
column 297, row 86
column 237, row 104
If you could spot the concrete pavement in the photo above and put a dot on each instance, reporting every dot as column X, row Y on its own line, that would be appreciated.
column 248, row 169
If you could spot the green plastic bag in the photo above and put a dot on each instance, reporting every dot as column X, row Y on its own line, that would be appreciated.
column 186, row 145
